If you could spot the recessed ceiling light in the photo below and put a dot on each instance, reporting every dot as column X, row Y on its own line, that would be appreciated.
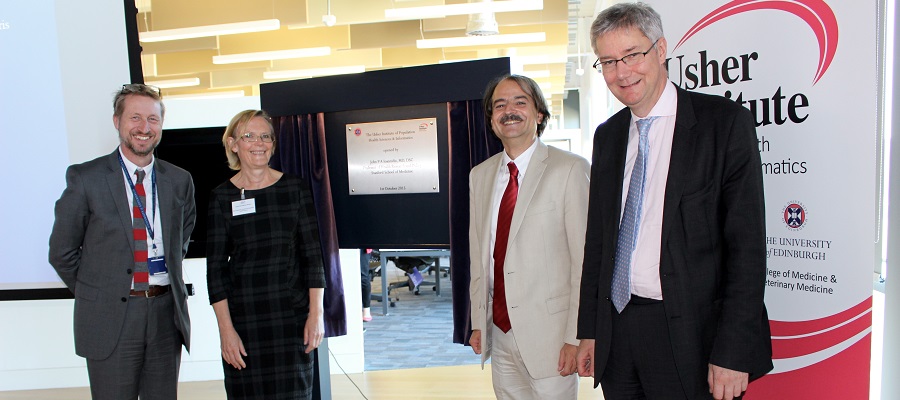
column 311, row 72
column 209, row 30
column 174, row 83
column 462, row 9
column 210, row 95
column 271, row 55
column 482, row 40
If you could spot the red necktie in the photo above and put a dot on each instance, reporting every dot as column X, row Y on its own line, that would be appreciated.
column 507, row 205
column 141, row 274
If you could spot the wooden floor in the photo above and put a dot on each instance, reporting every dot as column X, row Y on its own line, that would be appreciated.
column 438, row 383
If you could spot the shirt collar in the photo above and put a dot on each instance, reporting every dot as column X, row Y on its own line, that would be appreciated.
column 132, row 166
column 666, row 106
column 522, row 160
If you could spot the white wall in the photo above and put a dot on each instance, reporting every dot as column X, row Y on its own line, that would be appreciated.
column 83, row 67
column 36, row 344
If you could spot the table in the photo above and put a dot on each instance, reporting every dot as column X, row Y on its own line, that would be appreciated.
column 437, row 253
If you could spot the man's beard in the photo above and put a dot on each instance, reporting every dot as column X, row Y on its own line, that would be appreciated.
column 141, row 153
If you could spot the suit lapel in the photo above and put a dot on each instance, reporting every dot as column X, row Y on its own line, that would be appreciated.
column 683, row 149
column 115, row 182
column 166, row 203
column 533, row 175
column 487, row 181
column 618, row 151
column 611, row 168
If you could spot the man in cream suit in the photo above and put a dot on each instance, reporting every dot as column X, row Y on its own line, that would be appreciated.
column 122, row 258
column 528, row 206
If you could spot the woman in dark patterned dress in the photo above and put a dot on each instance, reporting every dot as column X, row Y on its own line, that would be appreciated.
column 264, row 269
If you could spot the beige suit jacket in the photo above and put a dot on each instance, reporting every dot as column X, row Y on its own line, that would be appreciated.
column 543, row 259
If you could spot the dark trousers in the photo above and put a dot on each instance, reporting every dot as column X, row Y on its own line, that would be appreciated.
column 147, row 357
column 365, row 280
column 641, row 363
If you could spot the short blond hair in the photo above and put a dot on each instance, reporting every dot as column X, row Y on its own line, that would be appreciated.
column 137, row 89
column 237, row 124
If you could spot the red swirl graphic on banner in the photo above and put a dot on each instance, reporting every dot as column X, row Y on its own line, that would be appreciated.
column 800, row 338
column 813, row 349
column 816, row 13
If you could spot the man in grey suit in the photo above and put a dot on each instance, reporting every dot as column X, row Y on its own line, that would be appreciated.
column 119, row 249
column 675, row 264
column 528, row 206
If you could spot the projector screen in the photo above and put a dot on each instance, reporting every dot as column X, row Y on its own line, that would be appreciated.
column 60, row 64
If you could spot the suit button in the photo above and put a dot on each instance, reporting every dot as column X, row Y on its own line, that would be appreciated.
column 124, row 299
column 128, row 271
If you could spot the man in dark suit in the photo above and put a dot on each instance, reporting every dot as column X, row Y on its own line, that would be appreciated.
column 119, row 249
column 675, row 262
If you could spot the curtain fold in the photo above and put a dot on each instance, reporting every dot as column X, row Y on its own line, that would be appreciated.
column 300, row 150
column 470, row 144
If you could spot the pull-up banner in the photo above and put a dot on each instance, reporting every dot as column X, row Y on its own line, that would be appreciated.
column 806, row 69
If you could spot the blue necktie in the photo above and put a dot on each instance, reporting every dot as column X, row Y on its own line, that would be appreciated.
column 631, row 220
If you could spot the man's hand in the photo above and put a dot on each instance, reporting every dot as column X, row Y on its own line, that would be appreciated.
column 475, row 341
column 584, row 359
column 566, row 364
column 726, row 384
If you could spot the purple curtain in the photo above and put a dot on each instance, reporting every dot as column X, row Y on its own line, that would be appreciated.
column 300, row 150
column 470, row 144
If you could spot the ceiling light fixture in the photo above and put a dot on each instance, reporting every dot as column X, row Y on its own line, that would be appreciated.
column 210, row 30
column 329, row 19
column 175, row 83
column 482, row 23
column 427, row 12
column 482, row 40
column 271, row 55
column 308, row 73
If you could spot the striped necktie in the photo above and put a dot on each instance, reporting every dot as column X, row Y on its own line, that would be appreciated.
column 141, row 272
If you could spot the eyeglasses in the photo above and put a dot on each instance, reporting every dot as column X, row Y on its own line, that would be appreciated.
column 252, row 138
column 630, row 59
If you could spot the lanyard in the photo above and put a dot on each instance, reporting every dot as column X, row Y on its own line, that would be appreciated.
column 137, row 198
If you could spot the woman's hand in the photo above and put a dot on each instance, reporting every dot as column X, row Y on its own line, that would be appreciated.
column 232, row 348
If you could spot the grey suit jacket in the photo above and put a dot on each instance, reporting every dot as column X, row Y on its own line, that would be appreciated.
column 92, row 247
column 713, row 258
column 543, row 258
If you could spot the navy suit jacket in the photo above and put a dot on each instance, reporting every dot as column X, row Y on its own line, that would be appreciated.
column 713, row 258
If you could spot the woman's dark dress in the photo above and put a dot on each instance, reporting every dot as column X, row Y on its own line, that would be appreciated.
column 264, row 263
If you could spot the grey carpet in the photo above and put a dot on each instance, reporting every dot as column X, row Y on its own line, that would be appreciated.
column 418, row 331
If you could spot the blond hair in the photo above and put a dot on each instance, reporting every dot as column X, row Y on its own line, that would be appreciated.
column 232, row 131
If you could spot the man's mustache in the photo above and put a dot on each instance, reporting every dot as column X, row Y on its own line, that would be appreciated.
column 510, row 117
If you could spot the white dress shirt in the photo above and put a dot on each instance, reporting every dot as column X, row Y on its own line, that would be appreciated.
column 645, row 260
column 153, row 215
column 502, row 180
